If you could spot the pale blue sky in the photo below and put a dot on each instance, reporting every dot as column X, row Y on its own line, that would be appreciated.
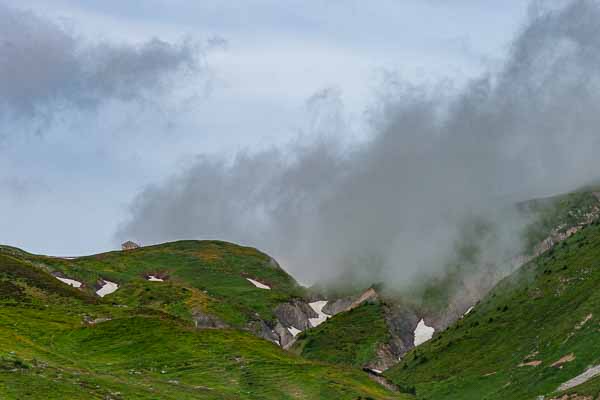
column 65, row 184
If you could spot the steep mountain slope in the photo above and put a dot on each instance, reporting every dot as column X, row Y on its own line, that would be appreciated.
column 61, row 342
column 351, row 337
column 535, row 331
column 439, row 301
column 366, row 331
column 213, row 283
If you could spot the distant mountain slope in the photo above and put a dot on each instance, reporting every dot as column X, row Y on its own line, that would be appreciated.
column 441, row 300
column 141, row 342
column 536, row 330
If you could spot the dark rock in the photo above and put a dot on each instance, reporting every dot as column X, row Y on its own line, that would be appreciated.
column 261, row 329
column 338, row 306
column 286, row 339
column 295, row 314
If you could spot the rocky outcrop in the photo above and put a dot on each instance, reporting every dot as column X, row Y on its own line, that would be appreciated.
column 295, row 314
column 369, row 295
column 290, row 317
column 286, row 339
column 561, row 233
column 348, row 303
column 402, row 322
column 337, row 306
column 261, row 329
column 387, row 355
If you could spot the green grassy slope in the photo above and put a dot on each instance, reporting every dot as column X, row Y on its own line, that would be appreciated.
column 547, row 310
column 349, row 338
column 209, row 276
column 556, row 213
column 49, row 349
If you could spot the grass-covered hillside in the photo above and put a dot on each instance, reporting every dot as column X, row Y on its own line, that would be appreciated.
column 536, row 330
column 351, row 337
column 557, row 214
column 60, row 342
column 377, row 336
column 205, row 276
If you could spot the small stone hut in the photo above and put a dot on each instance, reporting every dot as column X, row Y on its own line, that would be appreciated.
column 129, row 245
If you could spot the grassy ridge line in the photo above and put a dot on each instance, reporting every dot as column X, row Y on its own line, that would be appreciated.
column 533, row 317
column 213, row 272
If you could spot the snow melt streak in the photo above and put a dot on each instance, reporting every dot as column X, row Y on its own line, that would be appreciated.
column 317, row 306
column 70, row 282
column 258, row 284
column 423, row 333
column 579, row 379
column 108, row 288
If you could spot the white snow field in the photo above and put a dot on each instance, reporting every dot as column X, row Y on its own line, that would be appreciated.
column 318, row 307
column 423, row 333
column 153, row 278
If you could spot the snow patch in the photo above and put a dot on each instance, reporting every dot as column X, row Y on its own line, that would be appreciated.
column 70, row 282
column 153, row 278
column 258, row 284
column 468, row 311
column 294, row 331
column 423, row 333
column 317, row 306
column 107, row 288
column 582, row 378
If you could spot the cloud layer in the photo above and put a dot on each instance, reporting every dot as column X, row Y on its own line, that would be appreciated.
column 46, row 68
column 397, row 205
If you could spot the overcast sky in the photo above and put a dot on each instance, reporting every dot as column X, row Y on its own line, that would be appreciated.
column 100, row 98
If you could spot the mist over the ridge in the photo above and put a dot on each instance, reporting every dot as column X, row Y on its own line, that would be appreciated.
column 396, row 205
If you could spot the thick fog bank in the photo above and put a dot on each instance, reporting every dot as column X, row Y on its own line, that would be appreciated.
column 435, row 166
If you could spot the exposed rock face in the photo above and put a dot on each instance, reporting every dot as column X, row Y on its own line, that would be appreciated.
column 337, row 306
column 387, row 355
column 401, row 321
column 290, row 316
column 369, row 295
column 295, row 314
column 560, row 234
column 207, row 321
column 286, row 339
column 261, row 329
column 348, row 303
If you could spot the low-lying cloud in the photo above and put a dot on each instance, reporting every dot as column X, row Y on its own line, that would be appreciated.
column 396, row 205
column 46, row 68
